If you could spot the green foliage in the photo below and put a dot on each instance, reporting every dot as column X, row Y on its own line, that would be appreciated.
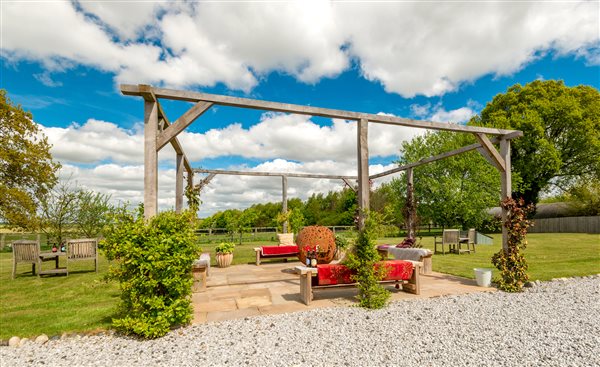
column 225, row 248
column 454, row 191
column 511, row 263
column 92, row 213
column 370, row 293
column 67, row 211
column 561, row 127
column 153, row 262
column 27, row 172
column 193, row 198
column 58, row 213
column 584, row 197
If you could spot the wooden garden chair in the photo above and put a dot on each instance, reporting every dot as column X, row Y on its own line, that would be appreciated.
column 450, row 238
column 82, row 249
column 26, row 251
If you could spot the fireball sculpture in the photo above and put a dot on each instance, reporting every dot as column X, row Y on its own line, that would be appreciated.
column 312, row 236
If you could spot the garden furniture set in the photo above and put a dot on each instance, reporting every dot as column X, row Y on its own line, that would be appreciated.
column 27, row 251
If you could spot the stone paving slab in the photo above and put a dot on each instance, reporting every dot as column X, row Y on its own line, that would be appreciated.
column 249, row 290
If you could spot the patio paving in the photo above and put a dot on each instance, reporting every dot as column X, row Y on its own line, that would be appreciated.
column 271, row 288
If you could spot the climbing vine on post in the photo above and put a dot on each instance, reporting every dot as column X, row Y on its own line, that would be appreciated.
column 512, row 263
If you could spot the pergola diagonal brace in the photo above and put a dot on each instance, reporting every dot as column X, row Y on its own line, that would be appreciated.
column 350, row 185
column 495, row 157
column 181, row 123
column 205, row 181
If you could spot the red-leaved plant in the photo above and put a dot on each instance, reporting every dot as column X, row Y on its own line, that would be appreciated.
column 512, row 264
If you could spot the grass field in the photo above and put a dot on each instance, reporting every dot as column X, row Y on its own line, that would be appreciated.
column 82, row 301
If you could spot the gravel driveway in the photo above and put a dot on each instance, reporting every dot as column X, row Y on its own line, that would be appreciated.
column 555, row 323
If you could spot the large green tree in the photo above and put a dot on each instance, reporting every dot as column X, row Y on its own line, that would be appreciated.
column 27, row 172
column 452, row 191
column 561, row 126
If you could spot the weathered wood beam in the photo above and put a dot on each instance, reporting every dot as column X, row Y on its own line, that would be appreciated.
column 505, row 187
column 486, row 144
column 150, row 158
column 350, row 185
column 411, row 219
column 174, row 142
column 284, row 209
column 179, row 183
column 205, row 181
column 182, row 122
column 272, row 174
column 136, row 90
column 362, row 145
column 433, row 159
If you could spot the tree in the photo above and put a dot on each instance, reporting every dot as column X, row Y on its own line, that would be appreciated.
column 27, row 172
column 92, row 211
column 452, row 191
column 561, row 127
column 58, row 212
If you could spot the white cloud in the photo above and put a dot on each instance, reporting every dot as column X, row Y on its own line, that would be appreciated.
column 410, row 47
column 291, row 137
column 438, row 113
column 431, row 48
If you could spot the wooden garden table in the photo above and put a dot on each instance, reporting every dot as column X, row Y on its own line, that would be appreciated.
column 49, row 256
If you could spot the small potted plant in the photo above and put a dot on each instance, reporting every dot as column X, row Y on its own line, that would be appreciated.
column 342, row 244
column 224, row 254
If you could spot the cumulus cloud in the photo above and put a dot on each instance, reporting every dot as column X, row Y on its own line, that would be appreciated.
column 438, row 113
column 292, row 137
column 410, row 47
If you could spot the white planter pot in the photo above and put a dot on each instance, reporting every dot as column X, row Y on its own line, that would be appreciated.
column 483, row 276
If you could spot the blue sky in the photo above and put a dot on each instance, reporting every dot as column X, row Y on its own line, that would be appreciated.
column 429, row 61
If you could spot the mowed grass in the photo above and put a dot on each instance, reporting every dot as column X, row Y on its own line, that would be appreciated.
column 30, row 306
column 52, row 305
column 549, row 255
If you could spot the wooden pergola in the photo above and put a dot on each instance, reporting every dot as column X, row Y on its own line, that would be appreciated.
column 159, row 131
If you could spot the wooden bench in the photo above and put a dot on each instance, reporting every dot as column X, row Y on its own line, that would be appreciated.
column 308, row 285
column 274, row 252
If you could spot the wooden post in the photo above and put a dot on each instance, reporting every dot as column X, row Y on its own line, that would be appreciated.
column 362, row 131
column 506, row 187
column 284, row 201
column 179, row 183
column 410, row 205
column 150, row 158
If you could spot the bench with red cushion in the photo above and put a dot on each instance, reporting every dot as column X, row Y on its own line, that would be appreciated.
column 403, row 272
column 270, row 252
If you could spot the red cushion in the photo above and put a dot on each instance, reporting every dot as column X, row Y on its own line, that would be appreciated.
column 279, row 250
column 330, row 274
column 397, row 269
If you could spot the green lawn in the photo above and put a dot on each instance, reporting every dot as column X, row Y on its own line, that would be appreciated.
column 54, row 304
column 549, row 255
column 30, row 306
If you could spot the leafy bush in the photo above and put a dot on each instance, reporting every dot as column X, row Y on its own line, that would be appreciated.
column 512, row 264
column 153, row 265
column 370, row 293
column 225, row 248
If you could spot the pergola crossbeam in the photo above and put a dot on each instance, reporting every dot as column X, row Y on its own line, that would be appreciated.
column 190, row 96
column 272, row 174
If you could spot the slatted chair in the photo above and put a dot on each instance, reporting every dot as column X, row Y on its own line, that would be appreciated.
column 450, row 238
column 82, row 249
column 26, row 251
column 471, row 236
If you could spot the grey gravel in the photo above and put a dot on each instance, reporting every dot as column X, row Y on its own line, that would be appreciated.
column 555, row 323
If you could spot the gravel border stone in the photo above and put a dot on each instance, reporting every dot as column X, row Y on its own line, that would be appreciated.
column 555, row 323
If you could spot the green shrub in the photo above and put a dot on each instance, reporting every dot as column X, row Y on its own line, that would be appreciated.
column 225, row 248
column 362, row 260
column 153, row 265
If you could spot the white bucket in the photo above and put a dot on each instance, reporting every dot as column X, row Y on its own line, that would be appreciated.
column 483, row 276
